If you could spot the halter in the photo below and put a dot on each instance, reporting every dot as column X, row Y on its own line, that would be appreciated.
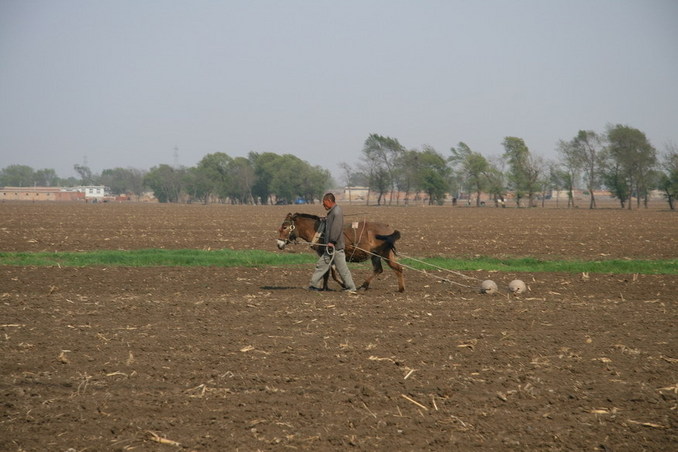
column 289, row 226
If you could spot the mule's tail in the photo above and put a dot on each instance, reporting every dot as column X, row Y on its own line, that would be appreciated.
column 389, row 241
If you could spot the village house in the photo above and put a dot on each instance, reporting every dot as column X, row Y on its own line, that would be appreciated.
column 92, row 193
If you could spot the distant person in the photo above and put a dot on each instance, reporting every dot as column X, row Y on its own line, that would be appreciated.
column 334, row 251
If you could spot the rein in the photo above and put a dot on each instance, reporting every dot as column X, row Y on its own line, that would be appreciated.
column 290, row 226
column 291, row 238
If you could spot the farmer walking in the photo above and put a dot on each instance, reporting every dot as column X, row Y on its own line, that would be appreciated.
column 334, row 251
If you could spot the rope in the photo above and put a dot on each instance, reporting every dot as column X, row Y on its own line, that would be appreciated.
column 358, row 239
column 330, row 251
column 441, row 268
column 435, row 276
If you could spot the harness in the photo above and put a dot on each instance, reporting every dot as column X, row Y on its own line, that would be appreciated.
column 356, row 238
column 317, row 237
column 288, row 225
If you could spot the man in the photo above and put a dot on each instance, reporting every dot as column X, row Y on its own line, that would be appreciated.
column 334, row 251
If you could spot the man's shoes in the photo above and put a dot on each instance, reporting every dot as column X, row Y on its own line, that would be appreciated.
column 346, row 291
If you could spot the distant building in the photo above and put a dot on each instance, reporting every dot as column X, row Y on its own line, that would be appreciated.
column 38, row 194
column 356, row 193
column 94, row 193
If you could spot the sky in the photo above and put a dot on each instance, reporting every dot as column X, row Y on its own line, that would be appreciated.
column 138, row 83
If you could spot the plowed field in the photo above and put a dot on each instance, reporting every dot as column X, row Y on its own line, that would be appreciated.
column 168, row 358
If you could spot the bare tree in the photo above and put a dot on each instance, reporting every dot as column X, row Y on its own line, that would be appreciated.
column 348, row 172
column 589, row 148
column 571, row 164
column 85, row 173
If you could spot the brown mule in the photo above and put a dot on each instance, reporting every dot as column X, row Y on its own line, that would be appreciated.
column 363, row 240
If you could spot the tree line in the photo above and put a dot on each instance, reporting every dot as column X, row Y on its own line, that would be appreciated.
column 259, row 178
column 621, row 159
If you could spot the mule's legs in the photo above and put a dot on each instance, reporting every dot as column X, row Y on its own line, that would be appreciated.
column 376, row 270
column 335, row 276
column 322, row 272
column 397, row 268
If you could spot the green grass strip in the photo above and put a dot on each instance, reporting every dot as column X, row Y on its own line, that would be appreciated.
column 533, row 265
column 259, row 258
column 157, row 258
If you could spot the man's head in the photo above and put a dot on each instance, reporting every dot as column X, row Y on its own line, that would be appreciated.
column 328, row 201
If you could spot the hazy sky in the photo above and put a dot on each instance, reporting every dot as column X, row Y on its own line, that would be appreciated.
column 122, row 83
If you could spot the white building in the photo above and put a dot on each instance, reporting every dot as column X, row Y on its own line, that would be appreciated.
column 92, row 192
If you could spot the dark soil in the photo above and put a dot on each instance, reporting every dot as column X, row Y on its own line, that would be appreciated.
column 120, row 358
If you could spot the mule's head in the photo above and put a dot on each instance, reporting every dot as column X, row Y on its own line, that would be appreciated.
column 286, row 233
